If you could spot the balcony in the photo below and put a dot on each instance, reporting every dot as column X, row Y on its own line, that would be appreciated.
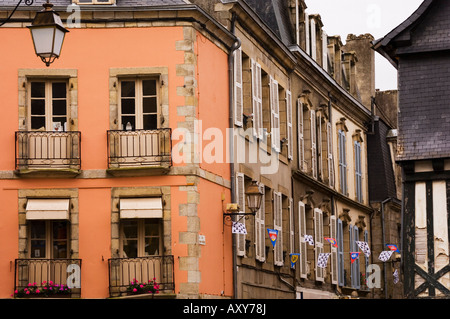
column 45, row 153
column 146, row 151
column 51, row 278
column 124, row 270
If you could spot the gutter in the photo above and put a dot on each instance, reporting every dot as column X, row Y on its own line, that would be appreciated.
column 234, row 47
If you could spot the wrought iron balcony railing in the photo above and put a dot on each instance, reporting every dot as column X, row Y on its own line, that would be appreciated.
column 48, row 150
column 47, row 278
column 140, row 148
column 122, row 271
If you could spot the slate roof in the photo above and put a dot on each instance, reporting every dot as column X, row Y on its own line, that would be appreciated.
column 419, row 48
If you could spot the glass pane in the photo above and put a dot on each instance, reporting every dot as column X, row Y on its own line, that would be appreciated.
column 130, row 248
column 129, row 229
column 59, row 124
column 60, row 249
column 59, row 90
column 59, row 107
column 127, row 89
column 37, row 107
column 150, row 105
column 149, row 87
column 37, row 89
column 128, row 119
column 37, row 249
column 59, row 230
column 128, row 106
column 151, row 246
column 150, row 122
column 152, row 227
column 38, row 123
column 37, row 228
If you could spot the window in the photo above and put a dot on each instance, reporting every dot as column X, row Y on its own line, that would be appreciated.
column 340, row 250
column 354, row 267
column 334, row 251
column 240, row 199
column 260, row 229
column 330, row 160
column 48, row 105
column 313, row 138
column 48, row 239
column 342, row 162
column 290, row 139
column 140, row 237
column 138, row 109
column 302, row 242
column 358, row 172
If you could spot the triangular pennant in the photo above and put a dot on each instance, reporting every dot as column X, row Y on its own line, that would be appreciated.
column 238, row 228
column 322, row 260
column 393, row 247
column 364, row 246
column 332, row 241
column 309, row 239
column 354, row 255
column 294, row 258
column 273, row 235
column 385, row 255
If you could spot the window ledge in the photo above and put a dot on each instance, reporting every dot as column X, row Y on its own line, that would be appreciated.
column 47, row 172
column 138, row 170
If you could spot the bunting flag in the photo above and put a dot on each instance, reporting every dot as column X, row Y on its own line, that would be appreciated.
column 273, row 235
column 364, row 246
column 385, row 255
column 309, row 239
column 393, row 248
column 238, row 228
column 354, row 255
column 332, row 241
column 294, row 258
column 396, row 276
column 322, row 260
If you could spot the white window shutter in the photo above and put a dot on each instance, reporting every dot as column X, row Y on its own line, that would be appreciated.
column 318, row 241
column 275, row 114
column 324, row 51
column 257, row 100
column 238, row 94
column 277, row 225
column 330, row 156
column 289, row 125
column 319, row 146
column 313, row 40
column 342, row 163
column 307, row 34
column 358, row 172
column 260, row 231
column 240, row 199
column 301, row 142
column 302, row 242
column 334, row 251
column 313, row 127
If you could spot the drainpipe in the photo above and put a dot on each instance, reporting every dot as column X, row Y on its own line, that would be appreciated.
column 384, row 243
column 235, row 46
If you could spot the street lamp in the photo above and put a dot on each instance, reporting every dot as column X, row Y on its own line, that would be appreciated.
column 48, row 34
column 254, row 197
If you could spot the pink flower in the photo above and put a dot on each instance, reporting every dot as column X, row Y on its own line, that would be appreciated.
column 16, row 291
column 141, row 286
column 37, row 291
column 50, row 282
column 28, row 292
column 134, row 289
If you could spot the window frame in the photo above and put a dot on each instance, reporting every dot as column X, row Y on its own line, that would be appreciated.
column 140, row 237
column 48, row 238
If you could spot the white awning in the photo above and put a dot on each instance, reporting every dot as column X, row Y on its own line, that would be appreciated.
column 38, row 209
column 141, row 208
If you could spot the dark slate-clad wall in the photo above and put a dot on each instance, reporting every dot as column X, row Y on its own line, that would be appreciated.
column 424, row 99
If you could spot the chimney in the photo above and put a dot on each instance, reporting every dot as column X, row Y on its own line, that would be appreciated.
column 365, row 67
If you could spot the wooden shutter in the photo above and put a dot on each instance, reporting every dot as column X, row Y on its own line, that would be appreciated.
column 260, row 231
column 330, row 155
column 318, row 241
column 313, row 40
column 291, row 227
column 340, row 240
column 301, row 142
column 358, row 173
column 312, row 117
column 238, row 95
column 334, row 251
column 324, row 51
column 355, row 273
column 302, row 242
column 240, row 199
column 289, row 125
column 275, row 115
column 319, row 146
column 257, row 100
column 342, row 163
column 366, row 259
column 278, row 225
column 307, row 34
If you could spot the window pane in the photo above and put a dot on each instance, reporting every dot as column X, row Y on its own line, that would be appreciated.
column 149, row 87
column 37, row 107
column 59, row 107
column 151, row 246
column 59, row 124
column 150, row 122
column 152, row 227
column 37, row 249
column 128, row 106
column 150, row 105
column 37, row 89
column 37, row 228
column 130, row 248
column 129, row 229
column 59, row 90
column 60, row 230
column 128, row 119
column 127, row 89
column 38, row 123
column 129, row 238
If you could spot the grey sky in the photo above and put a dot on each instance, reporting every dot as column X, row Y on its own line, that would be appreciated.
column 377, row 17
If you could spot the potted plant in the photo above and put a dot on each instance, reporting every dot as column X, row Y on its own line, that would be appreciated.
column 136, row 288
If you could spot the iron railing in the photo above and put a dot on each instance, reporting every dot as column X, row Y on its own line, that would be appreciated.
column 46, row 273
column 122, row 271
column 48, row 149
column 140, row 148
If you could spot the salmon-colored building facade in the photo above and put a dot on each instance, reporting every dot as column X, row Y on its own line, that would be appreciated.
column 100, row 180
